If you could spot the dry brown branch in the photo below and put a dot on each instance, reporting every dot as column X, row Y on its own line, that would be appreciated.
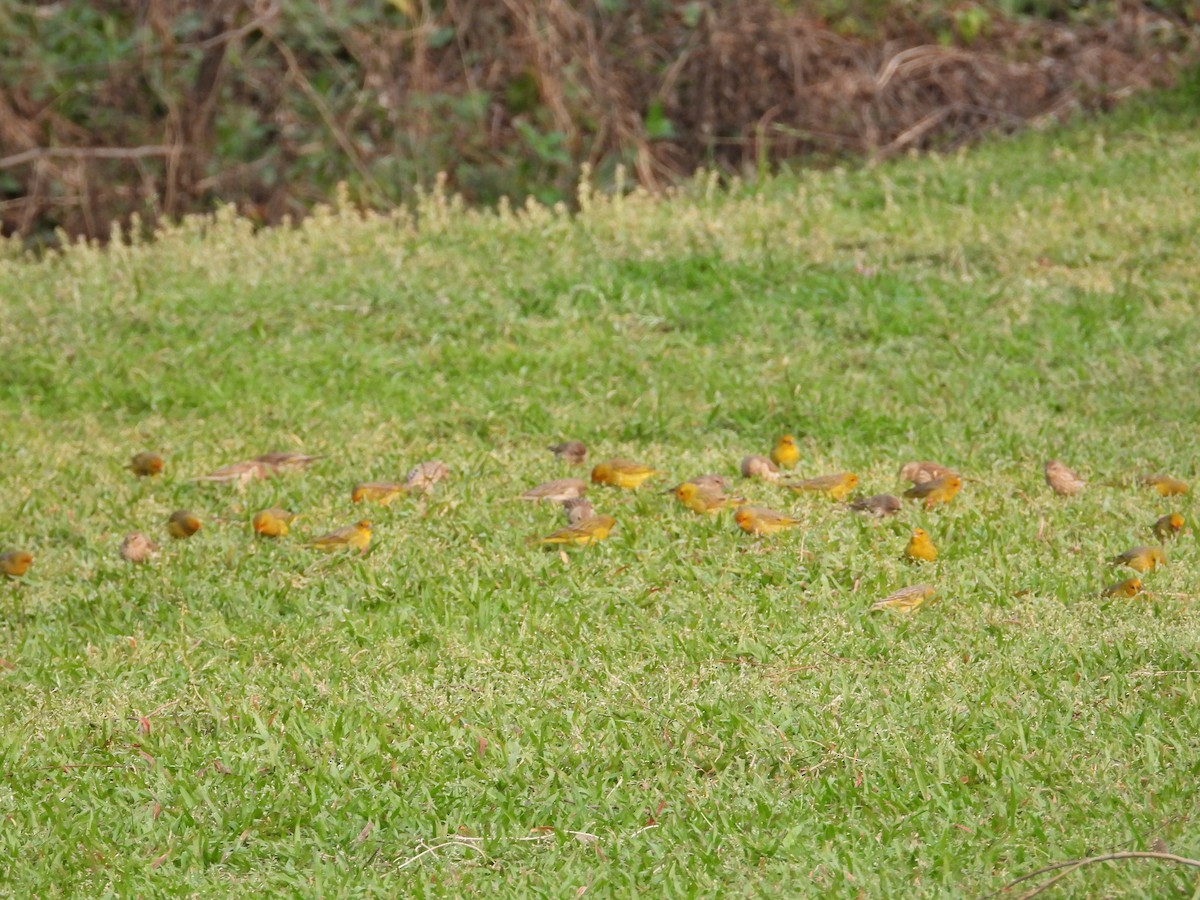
column 38, row 153
column 1074, row 864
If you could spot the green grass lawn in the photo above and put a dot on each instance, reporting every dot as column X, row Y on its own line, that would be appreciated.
column 683, row 709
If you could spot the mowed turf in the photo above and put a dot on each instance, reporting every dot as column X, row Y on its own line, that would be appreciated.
column 681, row 709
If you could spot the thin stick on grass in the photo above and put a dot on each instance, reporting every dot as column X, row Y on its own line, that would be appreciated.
column 1072, row 864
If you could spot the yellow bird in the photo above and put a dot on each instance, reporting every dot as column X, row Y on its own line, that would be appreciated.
column 1169, row 526
column 182, row 524
column 1166, row 485
column 939, row 490
column 137, row 548
column 759, row 467
column 1130, row 587
column 703, row 498
column 922, row 470
column 785, row 453
column 920, row 547
column 837, row 486
column 622, row 473
column 354, row 537
column 760, row 520
column 146, row 465
column 574, row 452
column 879, row 506
column 578, row 509
column 381, row 492
column 1062, row 479
column 907, row 599
column 588, row 531
column 272, row 522
column 423, row 476
column 15, row 563
column 558, row 490
column 1142, row 559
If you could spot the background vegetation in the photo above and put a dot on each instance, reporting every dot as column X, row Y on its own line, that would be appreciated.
column 681, row 710
column 110, row 109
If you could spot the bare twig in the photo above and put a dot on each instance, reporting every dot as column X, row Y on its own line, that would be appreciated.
column 1072, row 864
column 38, row 153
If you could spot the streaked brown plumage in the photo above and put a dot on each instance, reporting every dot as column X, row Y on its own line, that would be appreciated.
column 939, row 490
column 907, row 599
column 182, row 524
column 423, row 476
column 836, row 486
column 710, row 482
column 1062, row 479
column 1169, row 526
column 880, row 506
column 759, row 467
column 577, row 509
column 1142, row 559
column 558, row 490
column 137, row 548
column 922, row 470
column 15, row 563
column 146, row 465
column 574, row 452
column 263, row 466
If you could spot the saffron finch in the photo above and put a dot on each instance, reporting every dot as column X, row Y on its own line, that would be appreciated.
column 622, row 473
column 1166, row 485
column 15, row 563
column 578, row 509
column 381, row 492
column 353, row 537
column 920, row 547
column 785, row 453
column 922, row 470
column 137, row 548
column 1142, row 559
column 1169, row 526
column 837, row 486
column 423, row 476
column 759, row 467
column 1062, row 479
column 182, row 524
column 939, row 490
column 587, row 531
column 1130, row 587
column 905, row 600
column 273, row 522
column 146, row 465
column 558, row 490
column 760, row 520
column 704, row 499
column 879, row 506
column 574, row 452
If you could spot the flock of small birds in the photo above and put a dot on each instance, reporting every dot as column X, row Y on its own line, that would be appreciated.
column 931, row 484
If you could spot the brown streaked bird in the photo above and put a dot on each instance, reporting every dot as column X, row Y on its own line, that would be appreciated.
column 1142, row 559
column 381, row 492
column 1166, row 485
column 15, row 563
column 785, row 453
column 1130, row 587
column 273, row 522
column 1169, row 526
column 920, row 547
column 700, row 499
column 558, row 490
column 760, row 520
column 285, row 462
column 878, row 506
column 836, row 486
column 573, row 452
column 922, row 470
column 182, row 524
column 352, row 537
column 759, row 467
column 1063, row 480
column 905, row 600
column 939, row 490
column 587, row 531
column 622, row 473
column 709, row 483
column 137, row 548
column 146, row 465
column 263, row 466
column 423, row 476
column 577, row 509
